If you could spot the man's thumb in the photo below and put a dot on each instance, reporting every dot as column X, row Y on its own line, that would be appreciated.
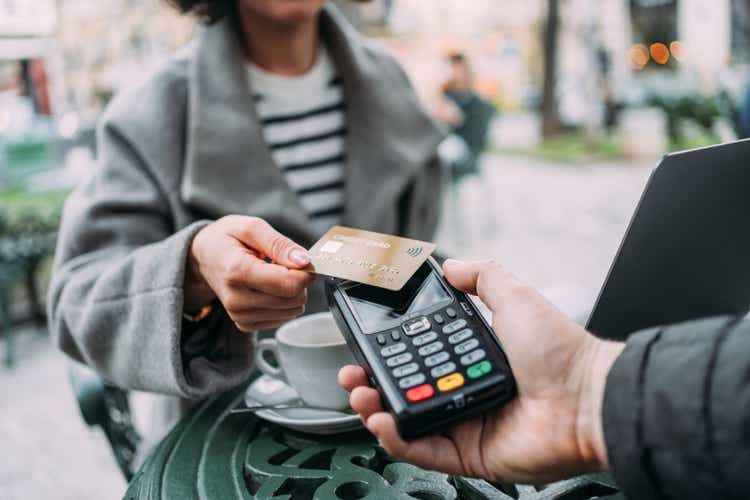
column 487, row 279
column 462, row 275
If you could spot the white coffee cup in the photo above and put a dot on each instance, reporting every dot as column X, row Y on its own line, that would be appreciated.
column 309, row 351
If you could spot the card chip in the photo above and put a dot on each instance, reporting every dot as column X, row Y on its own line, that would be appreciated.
column 331, row 246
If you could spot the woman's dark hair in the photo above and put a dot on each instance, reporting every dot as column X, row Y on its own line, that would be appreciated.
column 212, row 10
column 208, row 10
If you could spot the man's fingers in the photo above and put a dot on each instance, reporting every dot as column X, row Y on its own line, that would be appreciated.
column 258, row 235
column 432, row 452
column 351, row 376
column 365, row 401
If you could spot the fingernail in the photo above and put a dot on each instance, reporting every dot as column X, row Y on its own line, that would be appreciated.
column 299, row 257
column 451, row 262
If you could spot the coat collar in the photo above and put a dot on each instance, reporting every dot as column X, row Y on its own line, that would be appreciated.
column 229, row 168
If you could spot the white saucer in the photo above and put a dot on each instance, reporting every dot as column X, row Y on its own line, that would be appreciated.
column 270, row 391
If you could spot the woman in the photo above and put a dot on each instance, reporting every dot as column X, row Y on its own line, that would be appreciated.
column 279, row 120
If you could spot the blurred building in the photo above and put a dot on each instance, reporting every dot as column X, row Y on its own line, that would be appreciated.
column 88, row 49
column 607, row 47
column 91, row 49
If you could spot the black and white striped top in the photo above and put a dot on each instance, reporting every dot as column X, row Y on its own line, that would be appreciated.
column 304, row 125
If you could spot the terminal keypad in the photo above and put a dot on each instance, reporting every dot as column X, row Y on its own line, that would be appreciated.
column 435, row 354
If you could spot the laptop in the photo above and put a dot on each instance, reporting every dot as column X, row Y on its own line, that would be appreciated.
column 686, row 252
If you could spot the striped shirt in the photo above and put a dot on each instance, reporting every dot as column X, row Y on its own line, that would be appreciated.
column 304, row 126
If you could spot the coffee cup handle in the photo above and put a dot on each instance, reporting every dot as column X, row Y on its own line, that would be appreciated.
column 263, row 346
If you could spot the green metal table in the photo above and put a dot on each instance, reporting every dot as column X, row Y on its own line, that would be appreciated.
column 213, row 454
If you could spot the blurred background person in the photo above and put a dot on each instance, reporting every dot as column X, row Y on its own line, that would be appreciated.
column 467, row 114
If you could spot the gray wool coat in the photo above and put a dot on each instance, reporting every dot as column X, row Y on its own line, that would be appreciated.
column 185, row 148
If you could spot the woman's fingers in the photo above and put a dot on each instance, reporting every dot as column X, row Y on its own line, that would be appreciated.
column 243, row 269
column 258, row 235
column 351, row 376
column 252, row 300
column 260, row 319
column 227, row 259
column 259, row 315
column 268, row 325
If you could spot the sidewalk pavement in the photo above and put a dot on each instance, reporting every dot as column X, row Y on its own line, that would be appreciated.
column 555, row 226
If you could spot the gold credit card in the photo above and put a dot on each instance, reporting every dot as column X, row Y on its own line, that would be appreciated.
column 366, row 257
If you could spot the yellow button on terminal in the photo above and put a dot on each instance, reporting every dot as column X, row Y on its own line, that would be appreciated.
column 450, row 382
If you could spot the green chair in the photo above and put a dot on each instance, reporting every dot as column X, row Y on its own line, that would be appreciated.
column 108, row 408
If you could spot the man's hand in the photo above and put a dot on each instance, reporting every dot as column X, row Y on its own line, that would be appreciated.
column 551, row 430
column 226, row 260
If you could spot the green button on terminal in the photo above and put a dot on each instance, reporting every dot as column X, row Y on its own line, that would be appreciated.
column 479, row 370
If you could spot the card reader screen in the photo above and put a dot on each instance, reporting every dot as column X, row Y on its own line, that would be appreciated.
column 378, row 309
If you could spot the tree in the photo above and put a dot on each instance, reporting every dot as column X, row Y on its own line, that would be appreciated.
column 550, row 115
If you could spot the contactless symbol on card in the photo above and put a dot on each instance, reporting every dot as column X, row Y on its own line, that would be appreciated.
column 367, row 257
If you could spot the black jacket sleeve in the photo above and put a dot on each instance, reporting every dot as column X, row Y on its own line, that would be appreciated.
column 676, row 412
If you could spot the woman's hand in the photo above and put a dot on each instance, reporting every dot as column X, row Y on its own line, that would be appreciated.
column 551, row 430
column 226, row 261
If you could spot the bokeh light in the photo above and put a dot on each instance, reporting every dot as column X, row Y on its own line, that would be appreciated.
column 678, row 50
column 659, row 53
column 639, row 56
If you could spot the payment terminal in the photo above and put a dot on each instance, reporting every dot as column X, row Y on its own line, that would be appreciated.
column 426, row 348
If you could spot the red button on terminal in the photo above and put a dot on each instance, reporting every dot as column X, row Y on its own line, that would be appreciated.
column 420, row 393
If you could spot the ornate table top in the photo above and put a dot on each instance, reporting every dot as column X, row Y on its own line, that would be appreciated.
column 213, row 454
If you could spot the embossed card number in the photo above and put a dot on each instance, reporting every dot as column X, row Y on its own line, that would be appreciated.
column 366, row 257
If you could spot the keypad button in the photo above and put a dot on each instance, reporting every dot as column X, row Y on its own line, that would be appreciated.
column 396, row 335
column 443, row 369
column 416, row 326
column 439, row 319
column 451, row 313
column 450, row 382
column 436, row 359
column 405, row 370
column 399, row 360
column 454, row 326
column 424, row 338
column 460, row 336
column 380, row 338
column 420, row 393
column 473, row 357
column 431, row 349
column 467, row 309
column 393, row 349
column 466, row 346
column 479, row 370
column 411, row 381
